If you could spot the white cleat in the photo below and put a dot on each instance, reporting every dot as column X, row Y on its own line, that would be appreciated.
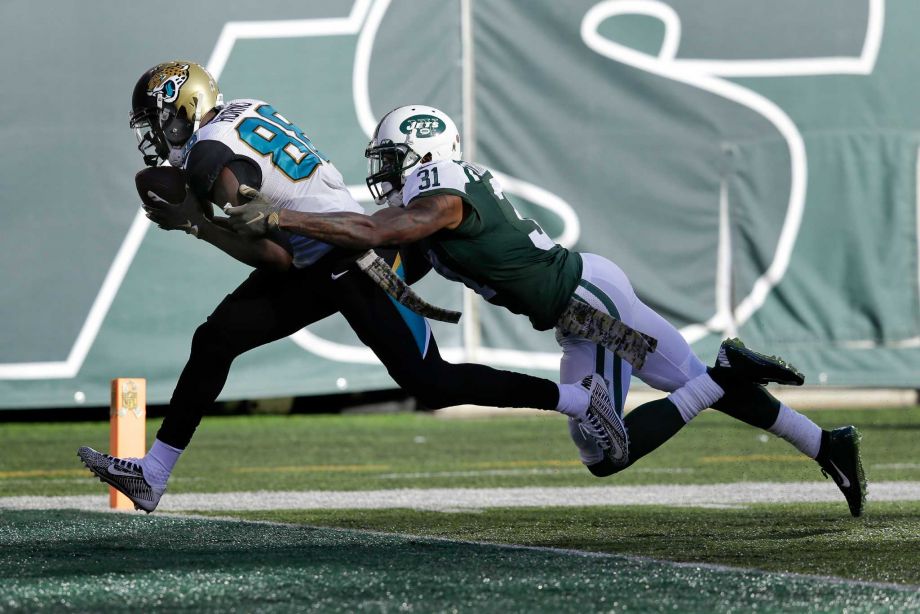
column 602, row 423
column 125, row 475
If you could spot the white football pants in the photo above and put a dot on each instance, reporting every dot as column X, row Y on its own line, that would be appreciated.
column 605, row 286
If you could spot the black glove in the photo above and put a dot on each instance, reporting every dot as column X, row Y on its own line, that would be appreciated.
column 185, row 216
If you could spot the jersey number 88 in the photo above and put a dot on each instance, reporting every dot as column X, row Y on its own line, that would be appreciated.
column 272, row 135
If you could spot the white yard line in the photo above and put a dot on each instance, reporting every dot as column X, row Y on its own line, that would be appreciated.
column 896, row 466
column 456, row 499
column 475, row 473
column 799, row 397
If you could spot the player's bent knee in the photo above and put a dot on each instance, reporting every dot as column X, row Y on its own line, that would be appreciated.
column 432, row 388
column 425, row 390
column 431, row 397
column 211, row 340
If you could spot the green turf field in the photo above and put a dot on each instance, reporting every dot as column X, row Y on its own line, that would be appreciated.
column 84, row 560
column 419, row 450
column 811, row 539
column 89, row 562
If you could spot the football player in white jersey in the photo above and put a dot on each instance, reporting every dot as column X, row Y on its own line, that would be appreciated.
column 471, row 233
column 179, row 116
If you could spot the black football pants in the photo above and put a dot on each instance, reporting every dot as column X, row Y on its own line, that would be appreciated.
column 272, row 305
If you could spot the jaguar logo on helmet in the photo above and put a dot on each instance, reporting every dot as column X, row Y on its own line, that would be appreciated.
column 168, row 80
column 423, row 126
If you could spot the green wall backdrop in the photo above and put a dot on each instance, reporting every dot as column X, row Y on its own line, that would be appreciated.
column 751, row 164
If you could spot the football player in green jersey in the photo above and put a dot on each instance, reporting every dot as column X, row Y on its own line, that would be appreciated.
column 471, row 233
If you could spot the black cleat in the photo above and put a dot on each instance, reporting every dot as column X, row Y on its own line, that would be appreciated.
column 744, row 363
column 123, row 474
column 839, row 459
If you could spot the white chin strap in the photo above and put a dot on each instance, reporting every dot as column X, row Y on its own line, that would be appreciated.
column 391, row 198
column 394, row 198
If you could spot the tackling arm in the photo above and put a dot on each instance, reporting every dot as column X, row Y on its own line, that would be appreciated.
column 259, row 253
column 391, row 226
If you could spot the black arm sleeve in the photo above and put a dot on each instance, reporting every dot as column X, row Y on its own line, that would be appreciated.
column 415, row 263
column 208, row 158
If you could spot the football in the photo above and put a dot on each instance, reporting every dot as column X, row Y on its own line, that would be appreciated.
column 167, row 182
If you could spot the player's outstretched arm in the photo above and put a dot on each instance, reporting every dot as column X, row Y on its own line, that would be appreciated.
column 391, row 226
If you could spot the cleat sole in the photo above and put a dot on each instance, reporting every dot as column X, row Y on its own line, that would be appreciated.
column 618, row 452
column 761, row 369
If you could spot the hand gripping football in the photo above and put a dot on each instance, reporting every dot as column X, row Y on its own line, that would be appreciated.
column 166, row 182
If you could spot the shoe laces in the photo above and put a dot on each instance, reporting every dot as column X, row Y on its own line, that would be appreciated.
column 595, row 430
column 127, row 463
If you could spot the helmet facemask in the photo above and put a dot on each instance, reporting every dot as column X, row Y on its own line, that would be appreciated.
column 165, row 132
column 151, row 141
column 387, row 164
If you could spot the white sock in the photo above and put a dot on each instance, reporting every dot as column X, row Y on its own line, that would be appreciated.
column 573, row 400
column 588, row 449
column 798, row 430
column 695, row 396
column 159, row 462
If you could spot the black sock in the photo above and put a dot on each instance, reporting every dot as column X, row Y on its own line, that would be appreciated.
column 723, row 377
column 750, row 403
column 825, row 443
column 650, row 425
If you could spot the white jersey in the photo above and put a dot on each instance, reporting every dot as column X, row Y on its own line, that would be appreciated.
column 295, row 175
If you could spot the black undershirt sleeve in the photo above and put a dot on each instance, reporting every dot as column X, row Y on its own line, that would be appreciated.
column 246, row 172
column 415, row 263
column 202, row 168
column 208, row 158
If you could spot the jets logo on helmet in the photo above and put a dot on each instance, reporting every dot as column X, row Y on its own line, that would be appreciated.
column 423, row 126
column 407, row 136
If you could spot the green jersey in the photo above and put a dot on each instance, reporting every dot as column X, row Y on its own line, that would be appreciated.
column 507, row 259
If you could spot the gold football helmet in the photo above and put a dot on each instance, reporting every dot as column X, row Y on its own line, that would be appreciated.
column 167, row 105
